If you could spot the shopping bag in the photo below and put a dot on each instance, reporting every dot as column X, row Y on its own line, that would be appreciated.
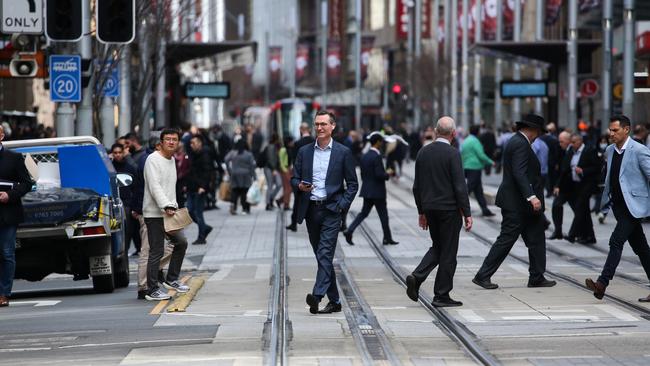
column 178, row 221
column 254, row 195
column 224, row 191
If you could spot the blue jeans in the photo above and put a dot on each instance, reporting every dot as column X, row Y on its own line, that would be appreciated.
column 195, row 206
column 7, row 259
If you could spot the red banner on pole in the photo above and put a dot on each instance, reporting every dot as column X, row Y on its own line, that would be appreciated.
column 366, row 46
column 275, row 63
column 553, row 8
column 333, row 59
column 302, row 60
column 490, row 20
column 403, row 21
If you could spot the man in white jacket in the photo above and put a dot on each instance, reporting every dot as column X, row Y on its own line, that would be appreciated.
column 160, row 200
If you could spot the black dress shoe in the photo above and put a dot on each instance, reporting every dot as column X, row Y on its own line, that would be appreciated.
column 486, row 284
column 542, row 283
column 556, row 236
column 412, row 288
column 348, row 237
column 645, row 299
column 331, row 307
column 312, row 301
column 389, row 242
column 570, row 239
column 292, row 227
column 445, row 302
column 587, row 241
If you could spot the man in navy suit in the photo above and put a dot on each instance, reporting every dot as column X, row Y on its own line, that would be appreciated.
column 319, row 173
column 373, row 190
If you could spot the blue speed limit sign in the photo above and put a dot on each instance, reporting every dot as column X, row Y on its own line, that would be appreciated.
column 65, row 78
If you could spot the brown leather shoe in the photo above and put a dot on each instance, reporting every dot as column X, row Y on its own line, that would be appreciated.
column 597, row 287
column 4, row 301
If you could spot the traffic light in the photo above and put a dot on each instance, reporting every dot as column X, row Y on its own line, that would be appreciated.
column 63, row 19
column 115, row 21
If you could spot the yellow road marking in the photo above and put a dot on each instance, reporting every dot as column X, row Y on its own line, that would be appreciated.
column 163, row 304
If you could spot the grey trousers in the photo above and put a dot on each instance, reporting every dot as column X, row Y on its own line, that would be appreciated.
column 156, row 233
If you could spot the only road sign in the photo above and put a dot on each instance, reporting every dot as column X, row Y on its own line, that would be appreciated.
column 65, row 78
column 22, row 16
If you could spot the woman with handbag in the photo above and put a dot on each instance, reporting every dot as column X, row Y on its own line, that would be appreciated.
column 241, row 168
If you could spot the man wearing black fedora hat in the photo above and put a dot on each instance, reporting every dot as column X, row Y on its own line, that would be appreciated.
column 521, row 199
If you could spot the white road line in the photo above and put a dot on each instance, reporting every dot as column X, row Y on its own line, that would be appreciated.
column 550, row 358
column 501, row 311
column 263, row 271
column 7, row 350
column 470, row 316
column 527, row 317
column 388, row 307
column 617, row 313
column 559, row 335
column 36, row 303
column 575, row 317
column 169, row 341
column 223, row 272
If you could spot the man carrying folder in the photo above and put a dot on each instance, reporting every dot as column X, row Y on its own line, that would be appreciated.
column 15, row 182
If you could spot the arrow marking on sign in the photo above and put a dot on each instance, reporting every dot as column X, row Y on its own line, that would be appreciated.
column 32, row 6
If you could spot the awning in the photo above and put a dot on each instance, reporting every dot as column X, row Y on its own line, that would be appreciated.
column 178, row 52
column 548, row 52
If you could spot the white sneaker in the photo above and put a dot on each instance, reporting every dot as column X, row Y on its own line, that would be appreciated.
column 157, row 295
column 179, row 287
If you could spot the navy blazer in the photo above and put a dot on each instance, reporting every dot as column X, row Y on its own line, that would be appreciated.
column 12, row 169
column 341, row 168
column 373, row 175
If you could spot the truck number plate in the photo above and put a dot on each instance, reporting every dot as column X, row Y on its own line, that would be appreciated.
column 100, row 265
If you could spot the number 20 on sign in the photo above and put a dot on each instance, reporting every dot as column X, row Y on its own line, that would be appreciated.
column 65, row 78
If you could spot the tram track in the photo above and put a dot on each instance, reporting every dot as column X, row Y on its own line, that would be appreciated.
column 449, row 325
column 644, row 312
column 277, row 329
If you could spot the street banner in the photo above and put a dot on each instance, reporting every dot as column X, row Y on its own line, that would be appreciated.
column 333, row 59
column 366, row 46
column 403, row 20
column 302, row 60
column 490, row 20
column 335, row 24
column 553, row 8
column 275, row 63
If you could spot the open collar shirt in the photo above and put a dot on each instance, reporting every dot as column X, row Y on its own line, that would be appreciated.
column 320, row 164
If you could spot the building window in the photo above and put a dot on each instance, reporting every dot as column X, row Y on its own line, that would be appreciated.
column 377, row 14
column 392, row 12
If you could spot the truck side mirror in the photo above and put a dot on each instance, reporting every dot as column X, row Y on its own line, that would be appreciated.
column 124, row 180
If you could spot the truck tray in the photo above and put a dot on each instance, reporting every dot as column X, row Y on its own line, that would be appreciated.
column 51, row 207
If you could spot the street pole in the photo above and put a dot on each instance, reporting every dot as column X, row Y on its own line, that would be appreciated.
column 145, row 56
column 418, row 56
column 436, row 57
column 293, row 32
column 409, row 58
column 628, row 59
column 465, row 68
column 85, row 108
column 539, row 36
column 64, row 120
column 357, row 69
column 516, row 69
column 161, row 70
column 498, row 119
column 454, row 59
column 323, row 64
column 267, row 71
column 446, row 105
column 573, row 63
column 107, row 119
column 606, row 79
column 124, row 126
column 478, row 33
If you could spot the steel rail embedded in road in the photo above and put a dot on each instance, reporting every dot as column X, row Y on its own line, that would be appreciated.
column 447, row 323
column 369, row 337
column 278, row 315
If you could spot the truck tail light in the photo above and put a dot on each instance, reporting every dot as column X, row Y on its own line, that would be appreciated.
column 95, row 230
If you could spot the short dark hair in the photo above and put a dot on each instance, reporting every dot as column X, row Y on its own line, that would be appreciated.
column 375, row 138
column 169, row 131
column 133, row 136
column 117, row 145
column 474, row 130
column 621, row 119
column 323, row 112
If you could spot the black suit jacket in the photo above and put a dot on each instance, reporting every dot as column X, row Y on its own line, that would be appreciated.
column 12, row 169
column 439, row 182
column 373, row 175
column 522, row 177
column 564, row 181
column 341, row 169
column 591, row 166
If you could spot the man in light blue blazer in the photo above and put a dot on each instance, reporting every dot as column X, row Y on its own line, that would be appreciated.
column 627, row 188
column 324, row 176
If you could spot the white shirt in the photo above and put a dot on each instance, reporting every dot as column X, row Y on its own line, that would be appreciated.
column 623, row 147
column 574, row 163
column 319, row 170
column 442, row 139
column 159, row 185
